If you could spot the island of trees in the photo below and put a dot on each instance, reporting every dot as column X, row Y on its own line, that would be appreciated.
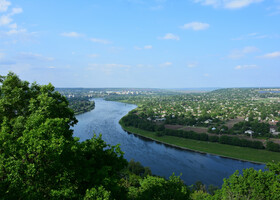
column 40, row 159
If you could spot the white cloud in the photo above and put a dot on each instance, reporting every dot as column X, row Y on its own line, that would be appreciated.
column 254, row 36
column 239, row 53
column 272, row 55
column 166, row 64
column 170, row 36
column 101, row 41
column 16, row 31
column 108, row 68
column 13, row 26
column 274, row 10
column 206, row 75
column 227, row 4
column 148, row 47
column 145, row 47
column 5, row 20
column 112, row 65
column 93, row 55
column 51, row 67
column 235, row 4
column 2, row 55
column 239, row 67
column 159, row 7
column 192, row 65
column 196, row 26
column 33, row 56
column 16, row 11
column 71, row 34
column 137, row 48
column 4, row 5
column 249, row 49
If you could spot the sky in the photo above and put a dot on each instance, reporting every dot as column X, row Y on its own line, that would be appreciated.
column 142, row 43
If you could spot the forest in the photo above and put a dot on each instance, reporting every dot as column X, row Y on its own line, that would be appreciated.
column 81, row 104
column 40, row 158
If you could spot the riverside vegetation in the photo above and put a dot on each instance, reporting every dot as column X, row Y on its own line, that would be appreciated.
column 79, row 101
column 240, row 117
column 80, row 104
column 40, row 159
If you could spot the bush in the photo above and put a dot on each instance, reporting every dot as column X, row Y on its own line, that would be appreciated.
column 271, row 146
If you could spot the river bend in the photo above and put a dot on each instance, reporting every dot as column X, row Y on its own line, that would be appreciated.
column 162, row 159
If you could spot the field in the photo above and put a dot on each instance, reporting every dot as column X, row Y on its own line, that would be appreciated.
column 231, row 122
column 240, row 153
column 187, row 128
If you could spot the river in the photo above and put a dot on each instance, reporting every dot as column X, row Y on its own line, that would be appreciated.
column 162, row 159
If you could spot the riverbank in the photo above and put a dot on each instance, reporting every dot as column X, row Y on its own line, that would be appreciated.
column 229, row 151
column 83, row 111
column 81, row 106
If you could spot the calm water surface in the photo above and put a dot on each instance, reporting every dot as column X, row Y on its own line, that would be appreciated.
column 163, row 160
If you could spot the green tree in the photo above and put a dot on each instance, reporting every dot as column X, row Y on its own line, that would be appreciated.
column 39, row 158
column 251, row 184
column 159, row 188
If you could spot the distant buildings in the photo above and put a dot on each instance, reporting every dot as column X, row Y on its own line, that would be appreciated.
column 273, row 131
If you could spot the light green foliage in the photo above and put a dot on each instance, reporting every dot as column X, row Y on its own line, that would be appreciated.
column 158, row 188
column 274, row 167
column 251, row 185
column 97, row 194
column 200, row 195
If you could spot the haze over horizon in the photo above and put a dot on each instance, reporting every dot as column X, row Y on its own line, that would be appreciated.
column 141, row 43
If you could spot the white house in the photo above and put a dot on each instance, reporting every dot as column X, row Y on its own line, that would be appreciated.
column 250, row 132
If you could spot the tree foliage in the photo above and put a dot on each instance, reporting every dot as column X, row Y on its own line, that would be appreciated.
column 39, row 158
column 152, row 187
column 251, row 184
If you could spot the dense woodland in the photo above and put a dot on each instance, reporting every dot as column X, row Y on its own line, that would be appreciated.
column 81, row 104
column 40, row 159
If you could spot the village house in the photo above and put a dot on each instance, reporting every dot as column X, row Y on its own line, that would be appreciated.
column 250, row 132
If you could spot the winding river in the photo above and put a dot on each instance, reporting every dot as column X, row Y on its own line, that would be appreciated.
column 163, row 160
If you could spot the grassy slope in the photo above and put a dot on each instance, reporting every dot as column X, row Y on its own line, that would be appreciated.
column 241, row 153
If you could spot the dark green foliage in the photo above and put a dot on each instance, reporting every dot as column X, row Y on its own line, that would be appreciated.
column 212, row 189
column 39, row 158
column 258, row 128
column 136, row 121
column 213, row 138
column 240, row 142
column 222, row 139
column 81, row 104
column 138, row 169
column 271, row 146
column 199, row 186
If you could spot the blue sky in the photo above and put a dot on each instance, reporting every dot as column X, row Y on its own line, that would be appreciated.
column 142, row 43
